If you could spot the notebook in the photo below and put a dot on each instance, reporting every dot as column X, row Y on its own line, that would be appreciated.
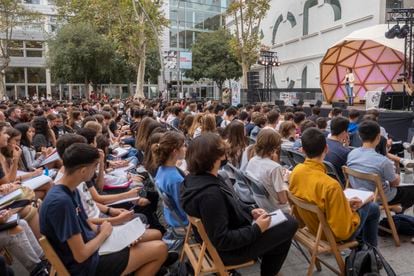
column 364, row 196
column 54, row 156
column 124, row 200
column 122, row 236
column 120, row 152
column 36, row 182
column 277, row 217
column 11, row 196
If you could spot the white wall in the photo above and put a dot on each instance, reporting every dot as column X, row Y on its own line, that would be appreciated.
column 296, row 51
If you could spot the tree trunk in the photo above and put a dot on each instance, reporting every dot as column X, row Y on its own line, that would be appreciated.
column 245, row 69
column 2, row 84
column 139, row 91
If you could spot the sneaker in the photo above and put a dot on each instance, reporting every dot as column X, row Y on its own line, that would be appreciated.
column 407, row 163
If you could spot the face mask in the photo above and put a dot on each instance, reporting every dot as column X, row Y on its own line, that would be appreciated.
column 223, row 162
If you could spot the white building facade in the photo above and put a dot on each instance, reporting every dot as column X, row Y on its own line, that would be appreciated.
column 301, row 31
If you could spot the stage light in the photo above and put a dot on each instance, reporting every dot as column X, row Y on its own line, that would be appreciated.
column 404, row 31
column 393, row 32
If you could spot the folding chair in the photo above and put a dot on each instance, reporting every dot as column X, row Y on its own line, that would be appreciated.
column 315, row 244
column 331, row 171
column 57, row 266
column 286, row 159
column 260, row 194
column 379, row 193
column 241, row 186
column 204, row 257
column 296, row 156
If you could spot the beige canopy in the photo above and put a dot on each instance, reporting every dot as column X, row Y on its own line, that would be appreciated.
column 375, row 60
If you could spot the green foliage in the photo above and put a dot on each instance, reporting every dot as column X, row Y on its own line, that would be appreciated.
column 133, row 29
column 213, row 58
column 152, row 65
column 247, row 16
column 78, row 54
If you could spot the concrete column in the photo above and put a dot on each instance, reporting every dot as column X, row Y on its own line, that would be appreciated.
column 48, row 84
column 70, row 92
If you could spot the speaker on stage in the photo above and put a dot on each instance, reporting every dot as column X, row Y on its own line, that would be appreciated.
column 394, row 101
column 317, row 103
column 342, row 105
column 253, row 80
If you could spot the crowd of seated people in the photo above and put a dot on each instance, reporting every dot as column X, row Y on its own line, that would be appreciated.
column 107, row 164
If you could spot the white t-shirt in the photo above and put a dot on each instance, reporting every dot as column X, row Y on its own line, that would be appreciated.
column 91, row 209
column 270, row 174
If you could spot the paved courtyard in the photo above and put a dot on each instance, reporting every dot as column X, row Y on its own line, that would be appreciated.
column 400, row 258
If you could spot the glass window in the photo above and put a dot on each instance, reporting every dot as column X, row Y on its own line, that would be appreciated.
column 173, row 38
column 212, row 23
column 36, row 75
column 34, row 44
column 189, row 39
column 394, row 4
column 16, row 53
column 182, row 39
column 34, row 53
column 31, row 1
column 15, row 75
column 16, row 43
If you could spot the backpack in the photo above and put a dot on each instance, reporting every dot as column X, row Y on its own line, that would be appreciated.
column 366, row 260
column 403, row 223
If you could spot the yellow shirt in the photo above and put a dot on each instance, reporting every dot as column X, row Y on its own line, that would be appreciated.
column 310, row 182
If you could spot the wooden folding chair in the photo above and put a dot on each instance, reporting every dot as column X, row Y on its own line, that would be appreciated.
column 315, row 244
column 57, row 266
column 204, row 257
column 379, row 193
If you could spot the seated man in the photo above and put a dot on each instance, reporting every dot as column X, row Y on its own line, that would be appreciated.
column 367, row 160
column 75, row 240
column 309, row 181
column 338, row 153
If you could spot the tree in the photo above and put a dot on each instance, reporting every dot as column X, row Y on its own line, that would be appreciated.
column 213, row 58
column 13, row 15
column 129, row 26
column 153, row 65
column 78, row 54
column 247, row 16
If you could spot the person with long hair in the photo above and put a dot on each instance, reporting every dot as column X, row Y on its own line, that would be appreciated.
column 170, row 149
column 238, row 232
column 44, row 136
column 235, row 133
column 288, row 132
column 265, row 168
column 195, row 128
column 75, row 120
column 28, row 158
column 208, row 123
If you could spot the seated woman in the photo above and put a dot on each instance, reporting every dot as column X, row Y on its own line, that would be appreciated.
column 228, row 221
column 13, row 145
column 28, row 158
column 236, row 137
column 170, row 149
column 288, row 132
column 75, row 240
column 264, row 168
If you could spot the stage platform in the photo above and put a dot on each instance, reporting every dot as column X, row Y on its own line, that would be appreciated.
column 398, row 123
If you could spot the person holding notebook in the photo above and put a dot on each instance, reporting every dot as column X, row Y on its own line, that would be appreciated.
column 75, row 240
column 348, row 219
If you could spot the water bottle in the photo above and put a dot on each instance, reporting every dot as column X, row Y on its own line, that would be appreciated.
column 46, row 171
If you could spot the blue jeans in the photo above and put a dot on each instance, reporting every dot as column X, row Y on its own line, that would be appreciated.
column 368, row 227
column 350, row 93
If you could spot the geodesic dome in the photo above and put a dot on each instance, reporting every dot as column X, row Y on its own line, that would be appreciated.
column 375, row 60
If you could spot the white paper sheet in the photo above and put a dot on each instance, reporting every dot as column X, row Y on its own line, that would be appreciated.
column 36, row 182
column 124, row 200
column 277, row 217
column 51, row 158
column 122, row 236
column 364, row 196
column 11, row 196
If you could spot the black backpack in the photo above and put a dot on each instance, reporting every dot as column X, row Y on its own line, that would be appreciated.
column 366, row 260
